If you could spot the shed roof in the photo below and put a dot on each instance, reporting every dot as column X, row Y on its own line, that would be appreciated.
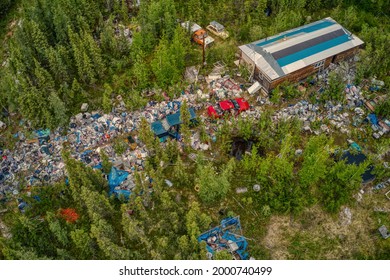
column 161, row 127
column 297, row 48
column 158, row 128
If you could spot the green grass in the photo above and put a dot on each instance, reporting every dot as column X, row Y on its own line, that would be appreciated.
column 303, row 246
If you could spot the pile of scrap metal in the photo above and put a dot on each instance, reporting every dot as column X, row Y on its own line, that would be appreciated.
column 169, row 126
column 380, row 127
column 226, row 236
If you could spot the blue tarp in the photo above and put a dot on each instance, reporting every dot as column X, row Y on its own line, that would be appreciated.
column 373, row 119
column 96, row 116
column 99, row 166
column 77, row 133
column 171, row 105
column 115, row 178
column 218, row 238
column 45, row 149
column 355, row 146
column 42, row 133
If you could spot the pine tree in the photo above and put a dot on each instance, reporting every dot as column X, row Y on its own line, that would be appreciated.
column 104, row 233
column 178, row 50
column 196, row 223
column 162, row 64
column 185, row 118
column 59, row 231
column 146, row 135
column 213, row 186
column 107, row 103
column 141, row 71
column 83, row 244
column 59, row 110
column 33, row 107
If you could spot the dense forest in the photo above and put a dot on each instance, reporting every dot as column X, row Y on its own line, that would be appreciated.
column 60, row 51
column 58, row 54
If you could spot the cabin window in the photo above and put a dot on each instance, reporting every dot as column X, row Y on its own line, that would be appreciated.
column 319, row 64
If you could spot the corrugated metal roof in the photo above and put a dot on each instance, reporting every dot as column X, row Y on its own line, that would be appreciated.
column 292, row 50
column 300, row 30
column 161, row 127
column 307, row 44
column 321, row 55
column 306, row 52
column 158, row 128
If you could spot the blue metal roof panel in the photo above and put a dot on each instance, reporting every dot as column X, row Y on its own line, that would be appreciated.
column 307, row 29
column 174, row 119
column 313, row 50
column 158, row 128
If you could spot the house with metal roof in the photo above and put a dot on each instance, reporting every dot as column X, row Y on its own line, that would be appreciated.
column 298, row 53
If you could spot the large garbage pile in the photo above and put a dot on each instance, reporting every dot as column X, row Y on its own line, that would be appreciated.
column 36, row 159
column 339, row 116
column 226, row 236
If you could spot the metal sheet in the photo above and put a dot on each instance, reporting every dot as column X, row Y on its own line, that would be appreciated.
column 308, row 44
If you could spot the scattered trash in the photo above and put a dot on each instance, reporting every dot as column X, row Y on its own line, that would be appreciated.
column 2, row 125
column 241, row 190
column 169, row 183
column 346, row 216
column 227, row 236
column 120, row 183
column 384, row 232
column 37, row 155
column 254, row 88
column 191, row 74
column 382, row 185
column 354, row 145
column 256, row 188
column 84, row 107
